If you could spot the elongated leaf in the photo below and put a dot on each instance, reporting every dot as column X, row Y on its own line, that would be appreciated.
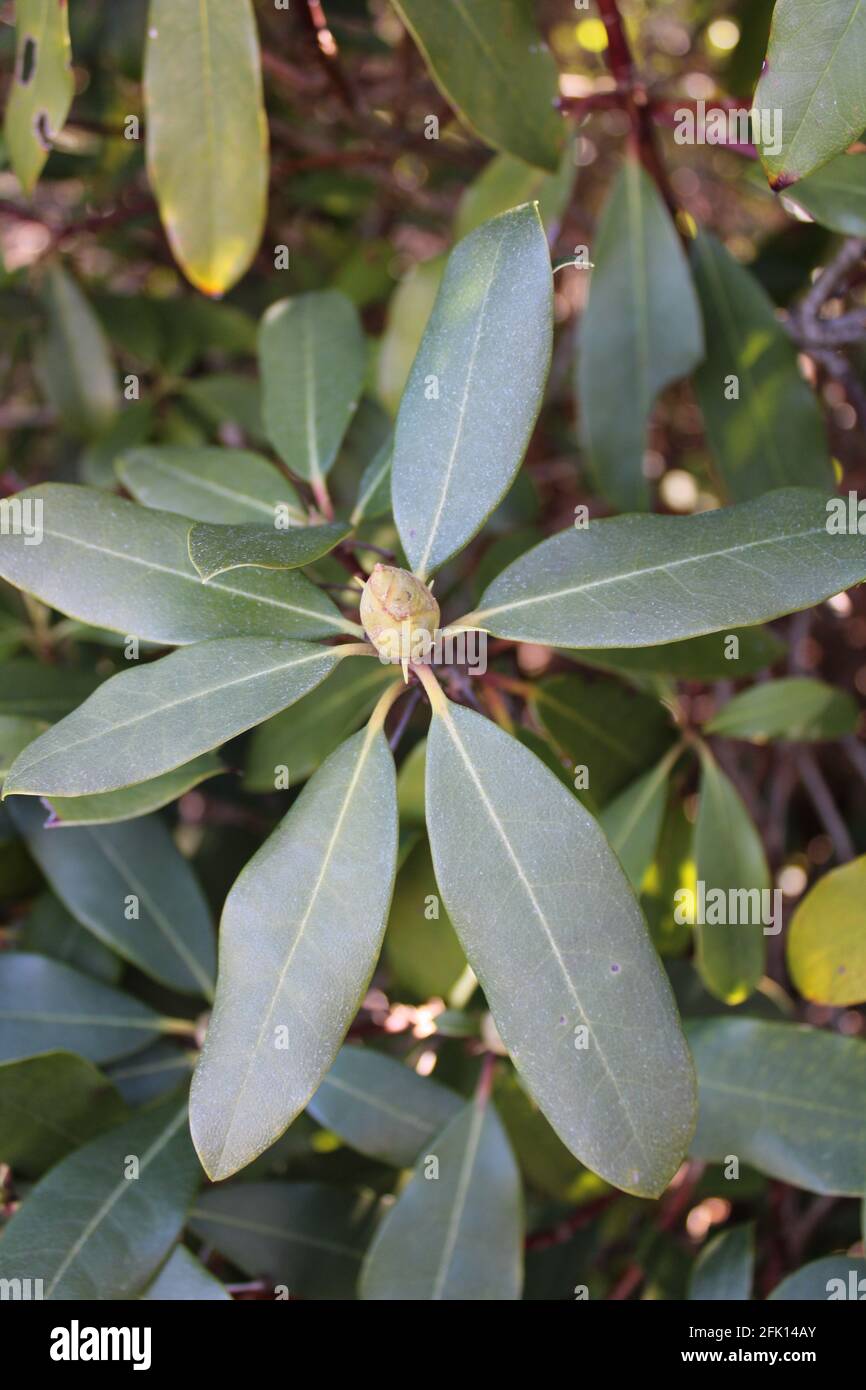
column 155, row 1071
column 835, row 196
column 125, row 567
column 129, row 886
column 314, row 899
column 15, row 734
column 409, row 310
column 632, row 822
column 42, row 88
column 42, row 692
column 381, row 1107
column 725, row 1269
column 374, row 492
column 764, row 423
column 207, row 135
column 46, row 1006
column 463, row 1220
column 73, row 362
column 475, row 388
column 51, row 930
column 638, row 580
column 812, row 77
column 217, row 549
column 832, row 1278
column 478, row 51
column 420, row 944
column 721, row 655
column 106, row 1243
column 795, row 707
column 544, row 1161
column 301, row 737
column 184, row 1279
column 506, row 182
column 306, row 1237
column 827, row 938
column 640, row 331
column 786, row 1099
column 226, row 486
column 612, row 732
column 556, row 938
column 734, row 899
column 152, row 718
column 131, row 802
column 51, row 1104
column 311, row 352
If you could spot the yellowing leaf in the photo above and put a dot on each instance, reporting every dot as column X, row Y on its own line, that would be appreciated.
column 42, row 87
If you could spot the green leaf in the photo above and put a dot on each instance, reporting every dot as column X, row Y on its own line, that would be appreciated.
column 611, row 731
column 826, row 939
column 42, row 692
column 833, row 1277
column 301, row 737
column 712, row 657
column 771, row 433
column 52, row 931
column 551, row 928
column 632, row 822
column 42, row 88
column 207, row 136
column 544, row 1160
column 129, row 428
column 219, row 549
column 46, row 1006
column 107, row 1242
column 15, row 734
column 793, row 707
column 129, row 803
column 158, row 716
column 813, row 78
column 463, row 1221
column 312, row 359
column 125, row 567
column 381, row 1107
column 153, row 1072
column 409, row 310
column 786, row 1099
column 489, row 60
column 51, row 1104
column 275, row 1030
column 226, row 486
column 725, row 1269
column 129, row 885
column 308, row 1237
column 506, row 182
column 73, row 362
column 420, row 944
column 633, row 581
column 731, row 866
column 835, row 196
column 184, row 1279
column 640, row 331
column 374, row 492
column 226, row 398
column 475, row 388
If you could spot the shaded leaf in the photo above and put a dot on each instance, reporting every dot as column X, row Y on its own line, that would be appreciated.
column 52, row 931
column 88, row 1229
column 304, row 1236
column 156, row 1070
column 476, row 53
column 312, row 359
column 556, row 938
column 15, row 734
column 72, row 361
column 544, row 1160
column 464, row 1227
column 725, row 1269
column 131, row 802
column 42, row 88
column 715, row 656
column 42, row 692
column 826, row 942
column 409, row 310
column 46, row 1006
column 218, row 549
column 475, row 388
column 813, row 77
column 506, row 182
column 314, row 898
column 793, row 707
column 184, row 1279
column 225, row 486
column 640, row 331
column 381, row 1107
column 634, row 581
column 731, row 865
column 632, row 822
column 49, row 1105
column 835, row 195
column 125, row 567
column 833, row 1277
column 207, row 136
column 374, row 492
column 420, row 944
column 785, row 1098
column 771, row 432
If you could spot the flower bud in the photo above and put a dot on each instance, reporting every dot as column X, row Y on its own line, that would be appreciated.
column 399, row 614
